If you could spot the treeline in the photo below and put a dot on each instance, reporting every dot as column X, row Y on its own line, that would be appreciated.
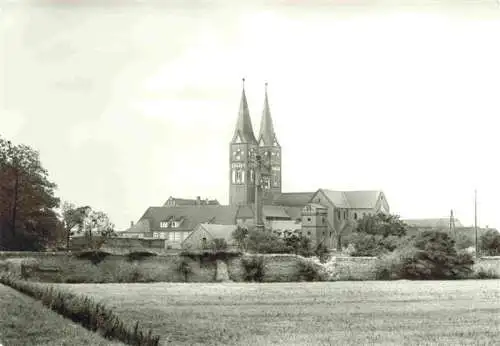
column 32, row 216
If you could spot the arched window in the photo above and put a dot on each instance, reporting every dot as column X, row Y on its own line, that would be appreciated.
column 355, row 216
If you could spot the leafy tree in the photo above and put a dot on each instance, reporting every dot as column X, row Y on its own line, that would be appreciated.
column 378, row 234
column 490, row 243
column 26, row 198
column 240, row 235
column 436, row 258
column 94, row 226
column 73, row 219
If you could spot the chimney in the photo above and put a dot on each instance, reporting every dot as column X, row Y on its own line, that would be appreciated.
column 198, row 200
column 131, row 223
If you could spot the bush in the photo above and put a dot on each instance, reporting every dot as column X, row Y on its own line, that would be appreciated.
column 309, row 271
column 82, row 310
column 139, row 255
column 436, row 259
column 322, row 253
column 184, row 269
column 483, row 274
column 253, row 268
column 94, row 256
column 218, row 244
column 490, row 243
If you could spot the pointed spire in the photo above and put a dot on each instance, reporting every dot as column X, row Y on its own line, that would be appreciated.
column 244, row 129
column 267, row 136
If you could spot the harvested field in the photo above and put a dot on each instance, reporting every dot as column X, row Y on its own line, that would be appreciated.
column 346, row 313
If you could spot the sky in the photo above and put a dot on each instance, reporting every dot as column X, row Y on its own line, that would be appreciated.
column 130, row 102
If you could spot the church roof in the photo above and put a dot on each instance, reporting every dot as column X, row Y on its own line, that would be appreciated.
column 267, row 136
column 244, row 129
column 353, row 199
column 293, row 199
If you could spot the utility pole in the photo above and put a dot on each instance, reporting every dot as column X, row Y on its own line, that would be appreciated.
column 475, row 220
column 452, row 223
column 261, row 184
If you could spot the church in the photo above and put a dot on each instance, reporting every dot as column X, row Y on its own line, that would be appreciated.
column 256, row 196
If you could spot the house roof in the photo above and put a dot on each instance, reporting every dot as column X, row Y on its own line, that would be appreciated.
column 293, row 199
column 141, row 226
column 191, row 215
column 219, row 231
column 285, row 225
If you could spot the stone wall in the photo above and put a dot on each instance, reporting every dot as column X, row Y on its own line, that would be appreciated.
column 62, row 267
column 488, row 264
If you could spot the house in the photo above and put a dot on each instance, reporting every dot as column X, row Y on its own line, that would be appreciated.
column 203, row 235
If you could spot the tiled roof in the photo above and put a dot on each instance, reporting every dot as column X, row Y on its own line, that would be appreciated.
column 220, row 231
column 362, row 199
column 338, row 198
column 353, row 199
column 142, row 226
column 294, row 212
column 431, row 223
column 269, row 211
column 293, row 199
column 191, row 215
column 284, row 225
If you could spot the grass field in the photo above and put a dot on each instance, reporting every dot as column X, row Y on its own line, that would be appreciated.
column 335, row 313
column 26, row 322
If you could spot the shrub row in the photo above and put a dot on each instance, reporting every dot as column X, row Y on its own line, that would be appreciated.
column 83, row 310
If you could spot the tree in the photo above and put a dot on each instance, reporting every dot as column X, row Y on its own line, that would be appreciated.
column 218, row 244
column 377, row 234
column 73, row 219
column 436, row 258
column 26, row 198
column 240, row 235
column 97, row 223
column 490, row 243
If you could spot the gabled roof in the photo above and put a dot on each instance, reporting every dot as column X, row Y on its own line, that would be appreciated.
column 362, row 199
column 191, row 215
column 338, row 198
column 267, row 136
column 293, row 199
column 269, row 211
column 244, row 129
column 220, row 231
column 188, row 201
column 142, row 226
column 284, row 225
column 353, row 199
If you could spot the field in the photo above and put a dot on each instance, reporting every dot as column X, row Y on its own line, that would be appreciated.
column 342, row 313
column 25, row 322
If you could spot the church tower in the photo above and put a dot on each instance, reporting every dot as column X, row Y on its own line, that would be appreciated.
column 270, row 150
column 242, row 149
